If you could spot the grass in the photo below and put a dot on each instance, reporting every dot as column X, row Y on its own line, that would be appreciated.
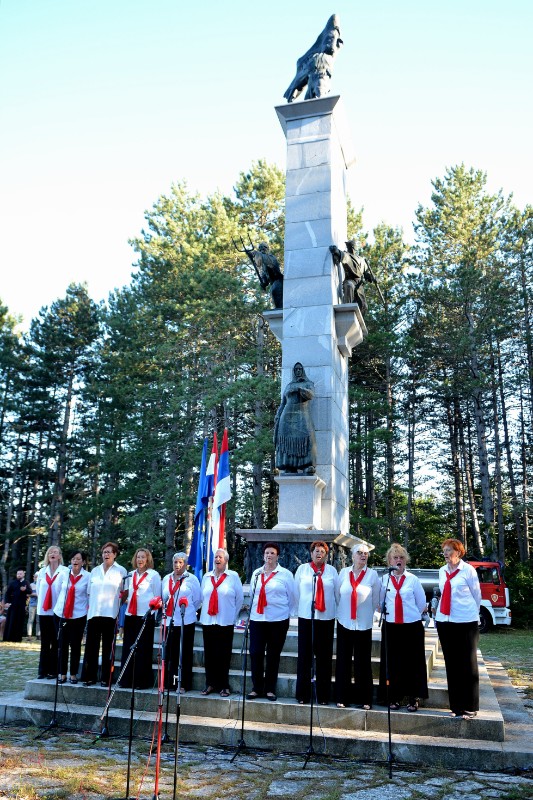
column 514, row 648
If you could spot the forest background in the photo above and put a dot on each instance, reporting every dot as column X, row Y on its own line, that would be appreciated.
column 104, row 407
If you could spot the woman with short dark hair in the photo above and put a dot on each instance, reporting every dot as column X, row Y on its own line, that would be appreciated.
column 273, row 602
column 105, row 586
column 457, row 623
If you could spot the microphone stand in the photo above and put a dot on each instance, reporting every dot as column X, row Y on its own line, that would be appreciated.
column 54, row 722
column 178, row 699
column 244, row 653
column 310, row 750
column 131, row 655
column 168, row 641
column 383, row 626
column 104, row 733
column 160, row 698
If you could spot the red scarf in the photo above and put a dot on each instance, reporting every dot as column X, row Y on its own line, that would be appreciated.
column 71, row 595
column 132, row 608
column 320, row 600
column 446, row 599
column 355, row 583
column 47, row 605
column 213, row 600
column 398, row 602
column 172, row 589
column 262, row 599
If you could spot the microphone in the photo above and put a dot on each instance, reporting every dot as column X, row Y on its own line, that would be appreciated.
column 393, row 569
column 155, row 603
column 183, row 603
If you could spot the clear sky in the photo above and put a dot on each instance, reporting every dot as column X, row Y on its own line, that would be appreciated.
column 104, row 103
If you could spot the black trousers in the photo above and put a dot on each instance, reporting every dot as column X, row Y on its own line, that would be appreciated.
column 143, row 678
column 266, row 643
column 354, row 653
column 48, row 660
column 459, row 641
column 218, row 642
column 323, row 649
column 100, row 630
column 69, row 635
column 406, row 656
column 173, row 656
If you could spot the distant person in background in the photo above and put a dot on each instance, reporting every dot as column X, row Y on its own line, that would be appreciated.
column 47, row 592
column 458, row 628
column 32, row 609
column 17, row 593
column 405, row 602
column 2, row 618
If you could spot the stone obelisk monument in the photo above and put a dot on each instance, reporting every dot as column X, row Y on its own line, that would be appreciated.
column 314, row 326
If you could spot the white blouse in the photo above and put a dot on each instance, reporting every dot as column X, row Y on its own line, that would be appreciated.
column 42, row 588
column 412, row 594
column 465, row 597
column 280, row 594
column 189, row 588
column 230, row 599
column 104, row 591
column 148, row 588
column 306, row 585
column 367, row 600
column 80, row 594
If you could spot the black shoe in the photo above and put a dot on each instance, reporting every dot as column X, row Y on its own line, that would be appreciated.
column 104, row 683
column 42, row 677
column 271, row 696
column 252, row 696
column 89, row 683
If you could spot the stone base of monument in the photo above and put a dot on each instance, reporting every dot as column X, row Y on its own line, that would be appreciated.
column 492, row 741
column 295, row 545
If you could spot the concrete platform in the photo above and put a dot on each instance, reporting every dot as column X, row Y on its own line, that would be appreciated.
column 493, row 740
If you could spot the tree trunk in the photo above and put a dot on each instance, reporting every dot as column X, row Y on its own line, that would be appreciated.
column 56, row 522
column 476, row 395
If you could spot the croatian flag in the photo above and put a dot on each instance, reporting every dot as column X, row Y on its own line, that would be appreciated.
column 207, row 499
column 196, row 554
column 222, row 495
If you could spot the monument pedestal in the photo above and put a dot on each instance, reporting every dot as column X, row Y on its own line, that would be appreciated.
column 300, row 502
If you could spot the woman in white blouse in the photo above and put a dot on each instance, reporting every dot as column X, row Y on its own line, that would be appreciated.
column 143, row 585
column 105, row 587
column 222, row 599
column 315, row 593
column 457, row 623
column 405, row 601
column 48, row 584
column 357, row 599
column 70, row 613
column 181, row 593
column 273, row 603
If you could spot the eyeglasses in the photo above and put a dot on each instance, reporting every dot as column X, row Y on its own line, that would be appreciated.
column 361, row 553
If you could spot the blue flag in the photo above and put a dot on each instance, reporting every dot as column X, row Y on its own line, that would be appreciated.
column 196, row 554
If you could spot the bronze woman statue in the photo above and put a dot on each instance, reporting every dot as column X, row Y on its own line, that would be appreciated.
column 294, row 434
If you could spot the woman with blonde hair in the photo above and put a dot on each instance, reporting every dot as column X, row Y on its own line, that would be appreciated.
column 404, row 658
column 48, row 586
column 144, row 583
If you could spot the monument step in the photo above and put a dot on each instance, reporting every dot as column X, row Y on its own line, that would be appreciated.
column 359, row 735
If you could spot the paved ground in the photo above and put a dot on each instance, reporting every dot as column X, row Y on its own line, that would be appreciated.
column 53, row 765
